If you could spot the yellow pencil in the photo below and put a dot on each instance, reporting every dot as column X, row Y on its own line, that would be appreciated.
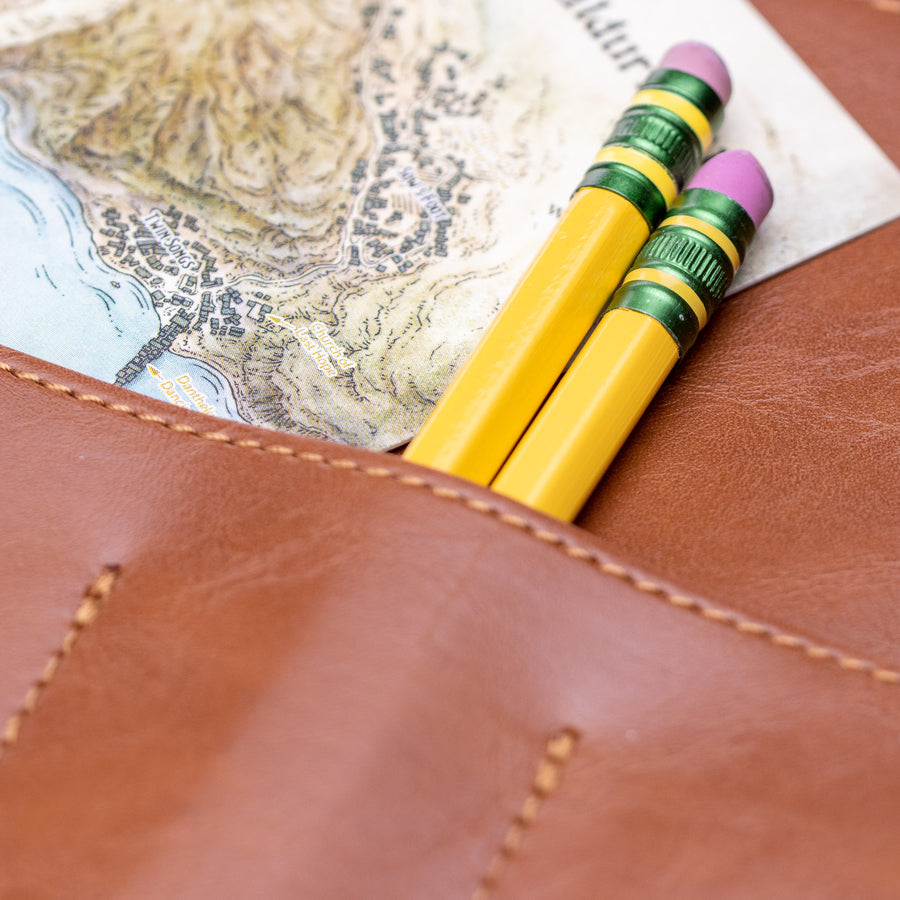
column 677, row 282
column 655, row 147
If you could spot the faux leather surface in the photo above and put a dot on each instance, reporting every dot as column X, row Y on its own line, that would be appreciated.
column 239, row 664
column 317, row 672
column 768, row 469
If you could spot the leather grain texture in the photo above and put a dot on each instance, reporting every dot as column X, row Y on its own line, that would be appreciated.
column 310, row 671
column 235, row 663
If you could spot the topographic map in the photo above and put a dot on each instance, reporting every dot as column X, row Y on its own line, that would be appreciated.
column 303, row 215
column 282, row 212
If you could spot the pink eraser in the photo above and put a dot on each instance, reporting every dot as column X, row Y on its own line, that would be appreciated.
column 738, row 175
column 702, row 62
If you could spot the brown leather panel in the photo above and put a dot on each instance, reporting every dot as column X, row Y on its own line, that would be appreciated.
column 310, row 679
column 767, row 472
column 317, row 672
column 774, row 447
column 767, row 469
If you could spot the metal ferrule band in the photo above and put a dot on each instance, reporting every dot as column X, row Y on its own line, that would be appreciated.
column 661, row 134
column 646, row 165
column 663, row 304
column 627, row 182
column 691, row 88
column 720, row 211
column 673, row 283
column 691, row 257
column 714, row 234
column 684, row 109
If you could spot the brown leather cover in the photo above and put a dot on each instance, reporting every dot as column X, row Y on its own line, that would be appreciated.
column 235, row 663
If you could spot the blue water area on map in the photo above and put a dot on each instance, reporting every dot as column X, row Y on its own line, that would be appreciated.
column 59, row 301
column 204, row 380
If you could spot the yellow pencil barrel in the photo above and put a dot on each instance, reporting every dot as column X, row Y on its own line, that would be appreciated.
column 479, row 419
column 577, row 434
column 675, row 285
column 654, row 148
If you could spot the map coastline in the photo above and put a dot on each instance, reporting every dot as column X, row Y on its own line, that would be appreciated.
column 61, row 300
column 390, row 248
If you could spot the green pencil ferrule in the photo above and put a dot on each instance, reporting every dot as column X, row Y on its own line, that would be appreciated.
column 662, row 135
column 687, row 256
column 664, row 305
column 693, row 258
column 720, row 211
column 635, row 187
column 693, row 89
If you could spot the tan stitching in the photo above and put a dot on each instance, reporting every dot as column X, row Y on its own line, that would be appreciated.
column 94, row 598
column 557, row 753
column 721, row 616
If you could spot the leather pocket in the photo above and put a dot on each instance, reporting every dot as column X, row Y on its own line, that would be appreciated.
column 303, row 670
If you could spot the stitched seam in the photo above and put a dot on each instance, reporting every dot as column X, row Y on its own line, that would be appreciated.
column 748, row 627
column 92, row 601
column 557, row 754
